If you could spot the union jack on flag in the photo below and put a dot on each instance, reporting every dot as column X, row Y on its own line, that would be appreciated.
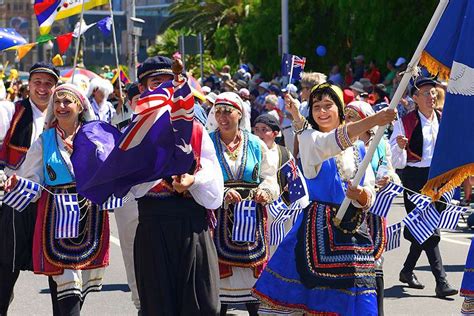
column 296, row 183
column 292, row 66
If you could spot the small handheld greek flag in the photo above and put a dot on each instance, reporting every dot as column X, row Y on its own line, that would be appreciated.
column 393, row 232
column 421, row 201
column 22, row 194
column 417, row 225
column 113, row 203
column 276, row 207
column 384, row 199
column 67, row 215
column 450, row 217
column 431, row 216
column 277, row 228
column 245, row 221
column 448, row 196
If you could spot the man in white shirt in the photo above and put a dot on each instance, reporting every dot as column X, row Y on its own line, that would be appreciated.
column 412, row 143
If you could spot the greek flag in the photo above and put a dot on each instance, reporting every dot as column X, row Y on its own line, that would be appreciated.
column 22, row 194
column 421, row 201
column 393, row 232
column 277, row 228
column 384, row 199
column 114, row 202
column 67, row 215
column 277, row 206
column 448, row 196
column 296, row 214
column 245, row 221
column 418, row 226
column 450, row 217
column 431, row 216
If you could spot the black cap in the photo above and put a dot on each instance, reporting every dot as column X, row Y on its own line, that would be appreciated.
column 132, row 91
column 45, row 68
column 154, row 66
column 268, row 120
column 420, row 82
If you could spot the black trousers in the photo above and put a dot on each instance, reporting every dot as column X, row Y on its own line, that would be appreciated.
column 414, row 179
column 68, row 306
column 7, row 283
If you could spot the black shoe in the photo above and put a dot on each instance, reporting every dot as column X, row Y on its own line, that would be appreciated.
column 443, row 289
column 411, row 280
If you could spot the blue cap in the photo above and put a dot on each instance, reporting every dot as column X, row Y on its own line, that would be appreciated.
column 155, row 66
column 420, row 82
column 45, row 68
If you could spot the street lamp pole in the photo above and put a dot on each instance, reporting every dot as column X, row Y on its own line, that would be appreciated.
column 132, row 40
column 284, row 32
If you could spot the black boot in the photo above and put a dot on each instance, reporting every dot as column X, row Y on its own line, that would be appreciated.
column 443, row 289
column 411, row 280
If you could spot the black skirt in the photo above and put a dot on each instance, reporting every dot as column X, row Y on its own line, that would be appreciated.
column 175, row 258
column 16, row 237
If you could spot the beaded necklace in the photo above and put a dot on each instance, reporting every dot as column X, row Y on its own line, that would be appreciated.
column 339, row 165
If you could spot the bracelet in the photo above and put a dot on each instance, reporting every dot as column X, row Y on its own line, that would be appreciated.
column 368, row 200
column 302, row 129
column 342, row 138
column 269, row 194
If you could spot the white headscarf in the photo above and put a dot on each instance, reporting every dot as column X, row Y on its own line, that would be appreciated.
column 76, row 92
column 233, row 100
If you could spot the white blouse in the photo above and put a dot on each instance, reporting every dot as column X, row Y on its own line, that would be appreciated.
column 208, row 187
column 268, row 169
column 316, row 147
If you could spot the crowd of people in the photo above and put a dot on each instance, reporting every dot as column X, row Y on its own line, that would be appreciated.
column 177, row 234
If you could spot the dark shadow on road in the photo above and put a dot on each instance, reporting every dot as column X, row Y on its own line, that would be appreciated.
column 105, row 288
column 399, row 291
column 447, row 267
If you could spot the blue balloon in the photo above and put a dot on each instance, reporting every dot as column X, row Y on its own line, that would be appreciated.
column 321, row 51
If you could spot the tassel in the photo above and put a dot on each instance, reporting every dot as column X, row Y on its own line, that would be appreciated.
column 434, row 66
column 448, row 181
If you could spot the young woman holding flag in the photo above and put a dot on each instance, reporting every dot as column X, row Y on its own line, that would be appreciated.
column 323, row 266
column 71, row 240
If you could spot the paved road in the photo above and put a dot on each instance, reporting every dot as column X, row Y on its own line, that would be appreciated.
column 32, row 296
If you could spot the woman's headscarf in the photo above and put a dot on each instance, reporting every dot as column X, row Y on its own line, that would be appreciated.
column 76, row 94
column 360, row 109
column 230, row 99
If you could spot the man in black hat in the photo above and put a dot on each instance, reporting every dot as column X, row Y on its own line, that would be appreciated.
column 412, row 150
column 153, row 72
column 16, row 228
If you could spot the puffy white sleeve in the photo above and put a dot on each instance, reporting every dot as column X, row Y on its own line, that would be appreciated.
column 316, row 147
column 399, row 156
column 268, row 173
column 208, row 187
column 7, row 110
column 388, row 156
column 141, row 189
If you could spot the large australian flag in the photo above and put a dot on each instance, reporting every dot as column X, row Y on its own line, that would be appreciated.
column 155, row 145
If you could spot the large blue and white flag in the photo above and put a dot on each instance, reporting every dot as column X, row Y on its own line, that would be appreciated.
column 296, row 183
column 450, row 217
column 245, row 221
column 384, row 199
column 292, row 66
column 277, row 228
column 419, row 228
column 421, row 201
column 449, row 54
column 394, row 233
column 67, row 215
column 22, row 194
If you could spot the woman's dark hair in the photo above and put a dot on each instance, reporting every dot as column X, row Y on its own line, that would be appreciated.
column 317, row 95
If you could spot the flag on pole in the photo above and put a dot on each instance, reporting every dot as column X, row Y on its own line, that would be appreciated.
column 245, row 221
column 450, row 217
column 384, row 199
column 394, row 233
column 67, row 215
column 105, row 161
column 292, row 66
column 449, row 54
column 421, row 201
column 419, row 228
column 48, row 11
column 123, row 77
column 22, row 194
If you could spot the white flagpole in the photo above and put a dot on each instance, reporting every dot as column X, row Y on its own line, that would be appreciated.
column 396, row 99
column 78, row 42
column 291, row 69
column 116, row 57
